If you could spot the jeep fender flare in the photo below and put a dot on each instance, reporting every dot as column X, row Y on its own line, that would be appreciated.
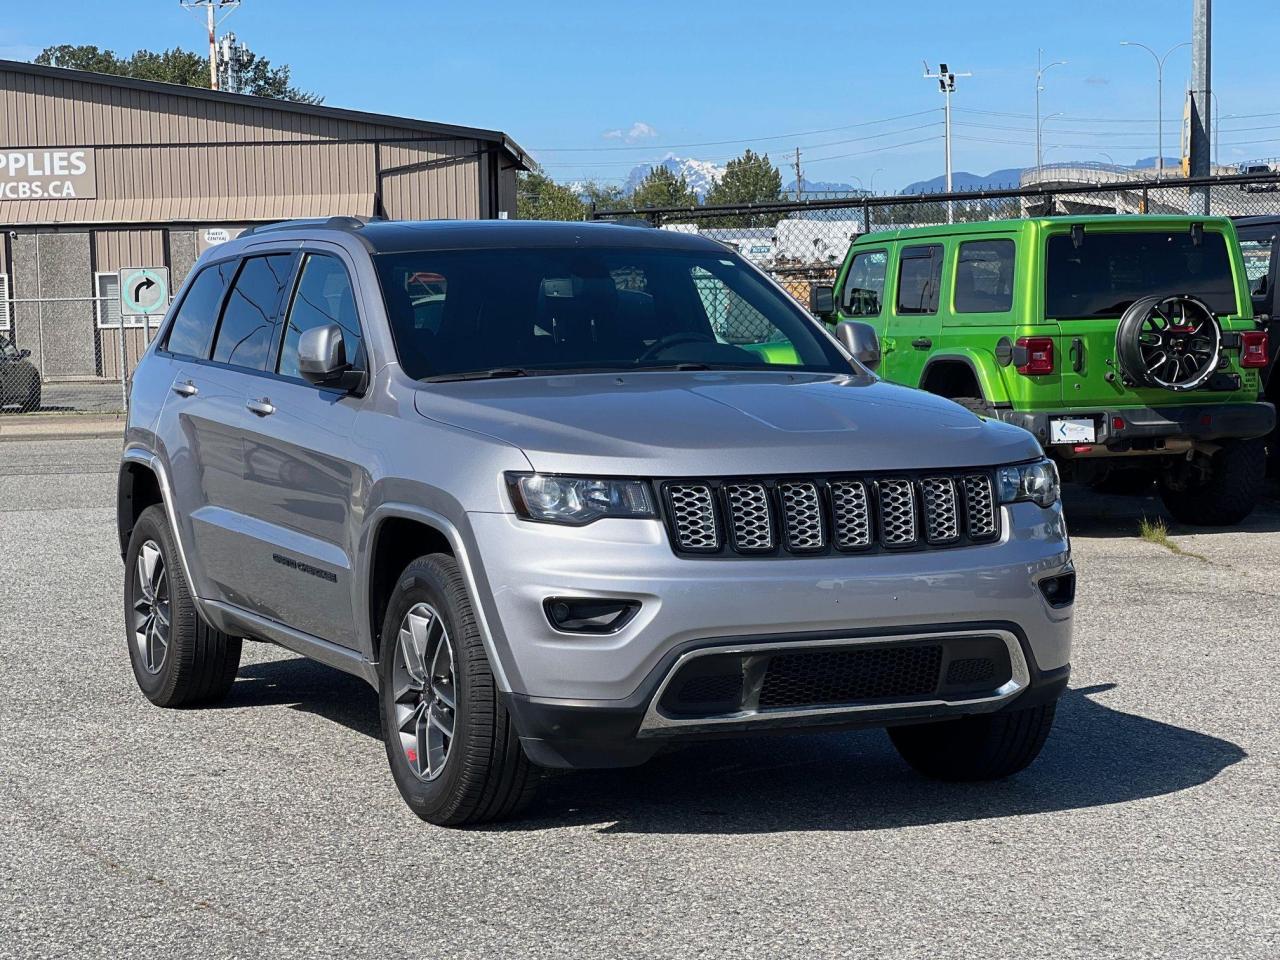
column 981, row 364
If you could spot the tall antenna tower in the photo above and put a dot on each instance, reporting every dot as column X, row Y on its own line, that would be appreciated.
column 215, row 12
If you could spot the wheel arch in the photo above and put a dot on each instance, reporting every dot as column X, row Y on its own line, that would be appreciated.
column 948, row 374
column 137, row 488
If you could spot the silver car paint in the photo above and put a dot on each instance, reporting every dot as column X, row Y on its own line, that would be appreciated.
column 438, row 453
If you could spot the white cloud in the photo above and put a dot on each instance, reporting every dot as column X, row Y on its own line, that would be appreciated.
column 636, row 132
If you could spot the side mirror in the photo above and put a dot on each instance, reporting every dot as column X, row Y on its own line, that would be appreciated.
column 322, row 358
column 23, row 354
column 861, row 341
column 822, row 300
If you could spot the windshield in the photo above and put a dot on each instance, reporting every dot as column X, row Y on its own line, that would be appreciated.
column 1109, row 271
column 513, row 312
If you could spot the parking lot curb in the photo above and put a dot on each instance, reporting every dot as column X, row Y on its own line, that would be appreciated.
column 63, row 428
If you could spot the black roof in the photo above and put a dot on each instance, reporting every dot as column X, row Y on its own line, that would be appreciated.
column 395, row 236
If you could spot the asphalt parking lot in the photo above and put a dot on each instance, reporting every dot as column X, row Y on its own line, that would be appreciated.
column 1150, row 827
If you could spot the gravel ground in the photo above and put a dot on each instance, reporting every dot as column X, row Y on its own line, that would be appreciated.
column 269, row 825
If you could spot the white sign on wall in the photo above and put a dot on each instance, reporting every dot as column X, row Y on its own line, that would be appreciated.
column 55, row 173
column 212, row 236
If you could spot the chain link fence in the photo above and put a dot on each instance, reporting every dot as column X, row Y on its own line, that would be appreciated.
column 63, row 355
column 803, row 241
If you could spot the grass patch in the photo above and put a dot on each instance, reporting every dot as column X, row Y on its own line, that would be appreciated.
column 1157, row 531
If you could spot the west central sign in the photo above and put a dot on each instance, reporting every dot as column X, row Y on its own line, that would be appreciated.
column 47, row 174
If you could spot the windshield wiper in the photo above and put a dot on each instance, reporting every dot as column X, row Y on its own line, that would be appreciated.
column 497, row 373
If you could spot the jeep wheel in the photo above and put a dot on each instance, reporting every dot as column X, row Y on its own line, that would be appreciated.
column 452, row 747
column 1217, row 491
column 983, row 747
column 32, row 402
column 177, row 658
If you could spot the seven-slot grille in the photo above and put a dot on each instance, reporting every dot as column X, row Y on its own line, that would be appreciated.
column 807, row 516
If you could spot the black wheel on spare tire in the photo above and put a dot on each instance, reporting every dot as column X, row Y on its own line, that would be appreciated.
column 1218, row 490
column 452, row 746
column 1173, row 343
column 178, row 659
column 982, row 747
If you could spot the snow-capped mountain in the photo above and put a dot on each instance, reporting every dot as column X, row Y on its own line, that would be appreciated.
column 701, row 174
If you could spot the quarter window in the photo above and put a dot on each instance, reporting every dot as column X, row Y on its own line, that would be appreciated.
column 192, row 330
column 864, row 285
column 324, row 296
column 252, row 314
column 984, row 277
column 919, row 277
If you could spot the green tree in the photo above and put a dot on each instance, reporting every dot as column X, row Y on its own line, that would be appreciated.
column 175, row 66
column 662, row 188
column 603, row 196
column 538, row 197
column 750, row 178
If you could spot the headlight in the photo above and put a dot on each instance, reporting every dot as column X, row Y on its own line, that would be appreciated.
column 1036, row 481
column 578, row 500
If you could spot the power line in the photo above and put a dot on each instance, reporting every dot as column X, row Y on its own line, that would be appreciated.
column 720, row 143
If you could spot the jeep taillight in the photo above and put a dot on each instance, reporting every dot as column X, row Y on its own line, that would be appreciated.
column 1253, row 348
column 1038, row 357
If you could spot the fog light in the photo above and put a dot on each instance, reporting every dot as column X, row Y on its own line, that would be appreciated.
column 589, row 614
column 1060, row 590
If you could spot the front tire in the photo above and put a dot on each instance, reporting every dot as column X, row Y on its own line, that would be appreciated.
column 178, row 659
column 1220, row 493
column 982, row 747
column 453, row 749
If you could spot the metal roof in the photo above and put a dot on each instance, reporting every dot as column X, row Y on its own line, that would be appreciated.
column 243, row 100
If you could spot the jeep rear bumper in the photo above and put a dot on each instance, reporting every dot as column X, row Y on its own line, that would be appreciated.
column 1128, row 430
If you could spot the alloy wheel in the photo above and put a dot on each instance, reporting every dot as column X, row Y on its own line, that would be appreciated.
column 425, row 692
column 151, row 609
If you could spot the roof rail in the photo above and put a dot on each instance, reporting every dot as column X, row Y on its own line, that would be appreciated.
column 332, row 223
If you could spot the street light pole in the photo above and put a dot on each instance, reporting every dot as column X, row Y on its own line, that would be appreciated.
column 1041, row 68
column 947, row 84
column 873, row 177
column 1159, row 96
column 1039, row 134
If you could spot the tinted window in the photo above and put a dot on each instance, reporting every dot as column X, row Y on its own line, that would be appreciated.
column 984, row 277
column 324, row 296
column 1255, row 248
column 919, row 276
column 1108, row 271
column 192, row 329
column 249, row 320
column 864, row 286
column 566, row 308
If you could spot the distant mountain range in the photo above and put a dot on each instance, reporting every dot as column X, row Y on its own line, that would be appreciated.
column 700, row 174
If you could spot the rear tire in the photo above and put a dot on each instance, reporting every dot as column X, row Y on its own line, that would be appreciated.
column 1225, row 493
column 982, row 747
column 178, row 659
column 434, row 674
column 32, row 403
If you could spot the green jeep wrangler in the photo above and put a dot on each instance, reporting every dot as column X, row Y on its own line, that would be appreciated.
column 1126, row 344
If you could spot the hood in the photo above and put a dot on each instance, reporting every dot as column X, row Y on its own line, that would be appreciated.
column 723, row 424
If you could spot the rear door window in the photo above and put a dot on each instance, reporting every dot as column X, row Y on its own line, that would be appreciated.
column 192, row 330
column 864, row 285
column 251, row 316
column 919, row 277
column 1108, row 271
column 1255, row 247
column 984, row 276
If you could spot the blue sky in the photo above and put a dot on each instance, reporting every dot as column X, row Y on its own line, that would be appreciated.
column 591, row 88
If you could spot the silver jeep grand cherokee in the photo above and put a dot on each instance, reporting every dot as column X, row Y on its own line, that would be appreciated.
column 566, row 493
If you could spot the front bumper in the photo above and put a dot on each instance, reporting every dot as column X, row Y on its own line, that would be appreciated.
column 568, row 691
column 1145, row 428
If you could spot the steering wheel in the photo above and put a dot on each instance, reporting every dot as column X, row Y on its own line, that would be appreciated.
column 673, row 340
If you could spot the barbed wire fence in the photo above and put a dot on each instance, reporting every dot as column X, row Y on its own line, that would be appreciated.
column 802, row 241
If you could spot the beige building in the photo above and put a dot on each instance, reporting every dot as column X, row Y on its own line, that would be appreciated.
column 100, row 173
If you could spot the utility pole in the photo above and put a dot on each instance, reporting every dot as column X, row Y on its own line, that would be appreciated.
column 1201, row 106
column 799, row 176
column 1159, row 95
column 1041, row 69
column 947, row 85
column 215, row 12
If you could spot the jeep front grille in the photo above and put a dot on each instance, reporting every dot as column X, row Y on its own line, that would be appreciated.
column 806, row 516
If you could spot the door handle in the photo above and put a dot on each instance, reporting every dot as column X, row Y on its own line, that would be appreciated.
column 262, row 408
column 1076, row 354
column 186, row 389
column 922, row 343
